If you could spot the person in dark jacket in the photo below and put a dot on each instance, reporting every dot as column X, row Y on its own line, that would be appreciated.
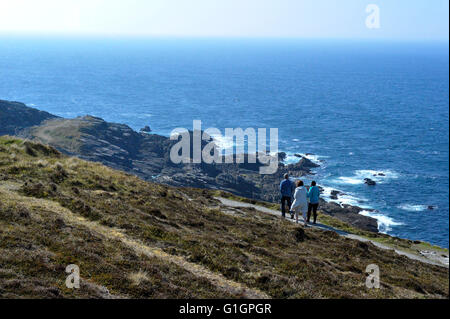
column 287, row 189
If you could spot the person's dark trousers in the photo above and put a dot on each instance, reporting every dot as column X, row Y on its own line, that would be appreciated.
column 312, row 208
column 285, row 199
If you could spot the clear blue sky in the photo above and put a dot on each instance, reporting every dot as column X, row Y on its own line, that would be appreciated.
column 400, row 19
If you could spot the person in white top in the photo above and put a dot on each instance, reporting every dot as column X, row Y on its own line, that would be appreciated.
column 300, row 204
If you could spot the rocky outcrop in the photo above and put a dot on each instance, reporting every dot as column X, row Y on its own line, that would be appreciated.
column 350, row 215
column 334, row 194
column 146, row 129
column 147, row 156
column 15, row 116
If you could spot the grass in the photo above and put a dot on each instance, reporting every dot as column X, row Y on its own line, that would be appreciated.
column 394, row 242
column 134, row 239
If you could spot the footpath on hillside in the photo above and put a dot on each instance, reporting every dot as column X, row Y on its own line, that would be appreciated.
column 431, row 258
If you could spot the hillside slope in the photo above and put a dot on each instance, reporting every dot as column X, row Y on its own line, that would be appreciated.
column 134, row 239
column 147, row 156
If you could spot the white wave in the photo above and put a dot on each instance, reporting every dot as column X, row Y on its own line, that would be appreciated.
column 317, row 159
column 412, row 208
column 128, row 114
column 347, row 199
column 385, row 223
column 349, row 180
column 327, row 191
column 343, row 198
column 224, row 142
column 377, row 176
column 326, row 194
column 422, row 152
column 291, row 159
column 145, row 115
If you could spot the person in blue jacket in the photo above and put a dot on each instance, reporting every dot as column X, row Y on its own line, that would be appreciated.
column 313, row 196
column 287, row 189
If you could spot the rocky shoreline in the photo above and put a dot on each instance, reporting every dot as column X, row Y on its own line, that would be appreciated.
column 147, row 155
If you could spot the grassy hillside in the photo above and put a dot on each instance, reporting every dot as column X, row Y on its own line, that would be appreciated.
column 134, row 239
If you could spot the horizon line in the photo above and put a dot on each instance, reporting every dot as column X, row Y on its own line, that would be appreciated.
column 69, row 35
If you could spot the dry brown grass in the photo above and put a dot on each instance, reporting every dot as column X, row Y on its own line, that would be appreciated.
column 137, row 278
column 121, row 231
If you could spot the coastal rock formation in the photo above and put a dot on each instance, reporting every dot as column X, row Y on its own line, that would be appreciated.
column 15, row 116
column 147, row 155
column 334, row 194
column 146, row 129
column 369, row 182
column 350, row 215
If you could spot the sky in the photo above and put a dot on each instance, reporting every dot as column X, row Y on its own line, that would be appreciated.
column 398, row 19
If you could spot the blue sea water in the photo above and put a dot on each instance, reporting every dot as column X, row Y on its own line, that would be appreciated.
column 362, row 108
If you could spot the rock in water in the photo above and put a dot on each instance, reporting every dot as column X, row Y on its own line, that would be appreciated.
column 334, row 194
column 369, row 182
column 282, row 156
column 146, row 129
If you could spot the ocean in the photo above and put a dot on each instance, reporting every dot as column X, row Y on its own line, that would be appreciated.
column 361, row 109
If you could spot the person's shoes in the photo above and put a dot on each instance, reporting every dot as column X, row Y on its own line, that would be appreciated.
column 292, row 216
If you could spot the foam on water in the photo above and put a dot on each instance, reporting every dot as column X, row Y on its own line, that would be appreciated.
column 349, row 180
column 352, row 200
column 316, row 159
column 326, row 193
column 291, row 159
column 413, row 208
column 379, row 176
column 385, row 223
column 359, row 176
column 224, row 142
column 343, row 198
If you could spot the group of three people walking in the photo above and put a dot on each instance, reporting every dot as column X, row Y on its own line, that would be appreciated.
column 305, row 201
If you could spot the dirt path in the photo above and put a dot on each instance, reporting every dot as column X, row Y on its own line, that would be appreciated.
column 70, row 218
column 432, row 259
